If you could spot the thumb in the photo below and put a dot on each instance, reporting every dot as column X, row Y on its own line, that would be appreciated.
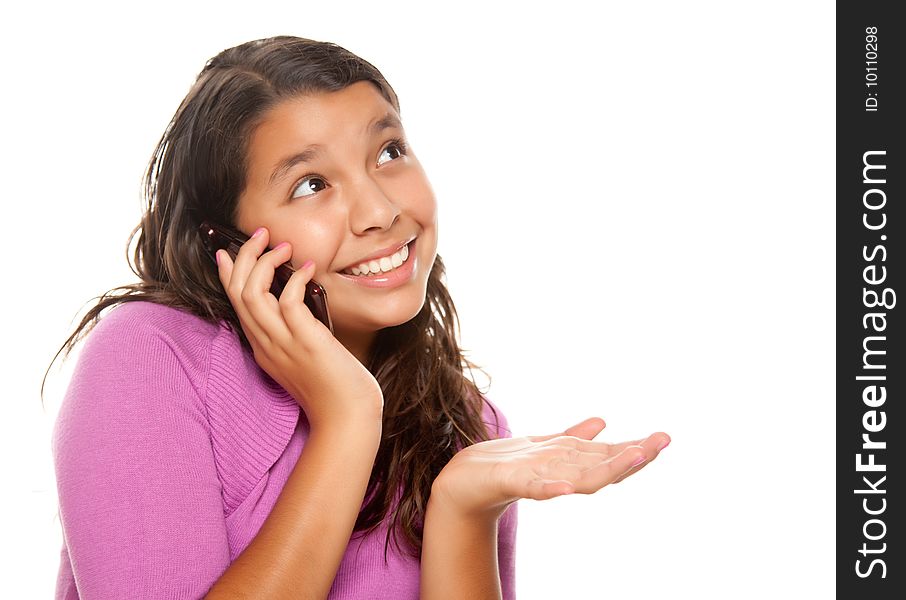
column 586, row 430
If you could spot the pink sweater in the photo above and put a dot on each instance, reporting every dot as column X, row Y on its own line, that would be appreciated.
column 171, row 448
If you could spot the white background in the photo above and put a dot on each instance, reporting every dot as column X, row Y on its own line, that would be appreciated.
column 637, row 214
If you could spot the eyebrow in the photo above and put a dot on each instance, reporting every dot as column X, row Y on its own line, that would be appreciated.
column 311, row 152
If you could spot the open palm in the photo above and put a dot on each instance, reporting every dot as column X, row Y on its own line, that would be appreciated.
column 483, row 479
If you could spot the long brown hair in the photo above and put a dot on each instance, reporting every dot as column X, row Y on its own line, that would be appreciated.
column 198, row 171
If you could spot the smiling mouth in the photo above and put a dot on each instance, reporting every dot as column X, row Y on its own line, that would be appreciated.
column 381, row 265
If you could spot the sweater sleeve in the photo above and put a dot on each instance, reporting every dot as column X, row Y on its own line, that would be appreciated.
column 140, row 500
column 506, row 525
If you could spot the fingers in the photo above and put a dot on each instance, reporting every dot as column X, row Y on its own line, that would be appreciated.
column 652, row 445
column 231, row 284
column 247, row 281
column 573, row 461
column 545, row 489
column 292, row 301
column 616, row 467
column 609, row 470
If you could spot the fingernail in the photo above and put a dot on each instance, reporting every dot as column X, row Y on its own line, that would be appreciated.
column 308, row 263
column 217, row 257
column 281, row 244
column 258, row 232
column 639, row 461
column 663, row 445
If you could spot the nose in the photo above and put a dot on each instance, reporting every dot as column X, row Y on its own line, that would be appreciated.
column 371, row 207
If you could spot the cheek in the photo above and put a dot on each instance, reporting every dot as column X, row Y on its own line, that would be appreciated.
column 421, row 200
column 314, row 241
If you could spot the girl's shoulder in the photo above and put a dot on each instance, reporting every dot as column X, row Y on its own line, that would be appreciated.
column 133, row 323
column 138, row 353
column 169, row 342
column 493, row 417
column 163, row 375
column 162, row 344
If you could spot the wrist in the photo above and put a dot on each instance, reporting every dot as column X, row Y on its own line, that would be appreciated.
column 442, row 504
column 354, row 431
column 363, row 415
column 458, row 547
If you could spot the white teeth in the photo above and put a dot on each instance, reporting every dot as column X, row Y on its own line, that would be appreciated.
column 382, row 265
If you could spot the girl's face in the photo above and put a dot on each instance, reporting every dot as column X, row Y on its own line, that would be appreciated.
column 330, row 174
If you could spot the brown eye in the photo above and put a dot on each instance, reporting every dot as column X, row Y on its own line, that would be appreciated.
column 309, row 186
column 394, row 151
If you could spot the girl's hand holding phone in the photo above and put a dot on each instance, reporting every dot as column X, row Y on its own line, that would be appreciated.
column 291, row 345
column 481, row 480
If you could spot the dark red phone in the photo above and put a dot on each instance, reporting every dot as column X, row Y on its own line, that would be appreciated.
column 217, row 237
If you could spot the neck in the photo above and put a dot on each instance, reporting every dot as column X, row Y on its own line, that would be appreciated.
column 357, row 342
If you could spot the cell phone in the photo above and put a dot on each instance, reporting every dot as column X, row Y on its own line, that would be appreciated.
column 219, row 237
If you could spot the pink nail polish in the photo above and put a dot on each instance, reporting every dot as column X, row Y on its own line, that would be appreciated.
column 664, row 445
column 639, row 461
column 217, row 257
column 281, row 244
column 258, row 232
column 308, row 263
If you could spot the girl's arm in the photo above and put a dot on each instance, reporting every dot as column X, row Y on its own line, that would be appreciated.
column 465, row 558
column 298, row 550
column 459, row 556
column 139, row 497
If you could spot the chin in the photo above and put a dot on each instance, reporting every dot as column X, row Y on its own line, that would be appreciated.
column 380, row 317
column 398, row 316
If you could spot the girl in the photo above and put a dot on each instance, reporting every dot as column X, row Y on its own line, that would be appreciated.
column 215, row 441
